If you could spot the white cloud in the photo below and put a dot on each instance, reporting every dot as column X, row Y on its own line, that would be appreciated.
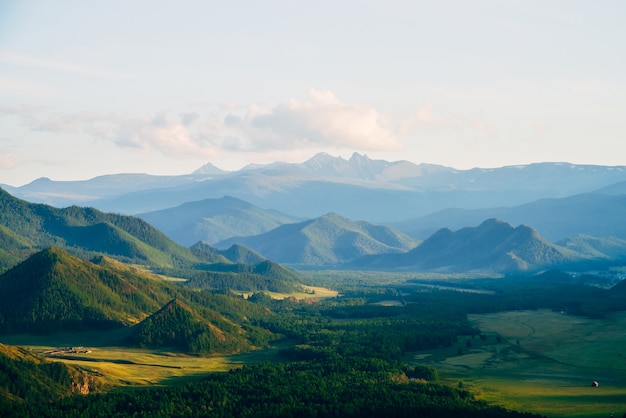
column 320, row 121
column 173, row 136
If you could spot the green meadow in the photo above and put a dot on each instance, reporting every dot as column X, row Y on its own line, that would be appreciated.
column 540, row 361
column 119, row 366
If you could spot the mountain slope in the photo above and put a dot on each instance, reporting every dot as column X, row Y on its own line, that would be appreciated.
column 242, row 255
column 177, row 326
column 493, row 246
column 54, row 290
column 213, row 220
column 327, row 240
column 27, row 377
column 596, row 247
column 265, row 275
column 29, row 227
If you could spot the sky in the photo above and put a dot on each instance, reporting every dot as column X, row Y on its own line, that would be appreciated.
column 89, row 88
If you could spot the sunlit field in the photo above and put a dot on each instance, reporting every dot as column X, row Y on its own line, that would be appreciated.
column 126, row 366
column 540, row 361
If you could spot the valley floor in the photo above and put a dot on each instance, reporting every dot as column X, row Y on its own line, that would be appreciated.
column 540, row 361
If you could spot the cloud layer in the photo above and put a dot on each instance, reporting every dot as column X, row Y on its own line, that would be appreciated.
column 321, row 120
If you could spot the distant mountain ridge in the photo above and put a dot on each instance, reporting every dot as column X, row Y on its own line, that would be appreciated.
column 595, row 214
column 213, row 220
column 328, row 240
column 492, row 247
column 358, row 188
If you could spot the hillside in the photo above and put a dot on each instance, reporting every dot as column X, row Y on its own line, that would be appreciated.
column 242, row 255
column 265, row 275
column 177, row 326
column 213, row 220
column 27, row 377
column 54, row 291
column 28, row 227
column 327, row 240
column 609, row 248
column 494, row 246
column 91, row 234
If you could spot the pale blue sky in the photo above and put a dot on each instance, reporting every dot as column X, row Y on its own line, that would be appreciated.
column 99, row 87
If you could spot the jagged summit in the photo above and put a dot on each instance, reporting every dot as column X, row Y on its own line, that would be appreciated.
column 493, row 246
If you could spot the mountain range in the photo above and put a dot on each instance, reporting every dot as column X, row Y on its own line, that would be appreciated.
column 493, row 246
column 27, row 228
column 274, row 212
column 358, row 188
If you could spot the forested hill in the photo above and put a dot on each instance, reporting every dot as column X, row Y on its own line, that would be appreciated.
column 53, row 290
column 177, row 326
column 28, row 227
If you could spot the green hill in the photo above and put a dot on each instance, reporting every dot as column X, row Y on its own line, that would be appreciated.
column 328, row 240
column 265, row 275
column 177, row 326
column 28, row 227
column 208, row 254
column 242, row 255
column 236, row 253
column 214, row 220
column 53, row 291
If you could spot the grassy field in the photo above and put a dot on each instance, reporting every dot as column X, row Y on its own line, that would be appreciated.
column 536, row 361
column 541, row 361
column 308, row 292
column 124, row 366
